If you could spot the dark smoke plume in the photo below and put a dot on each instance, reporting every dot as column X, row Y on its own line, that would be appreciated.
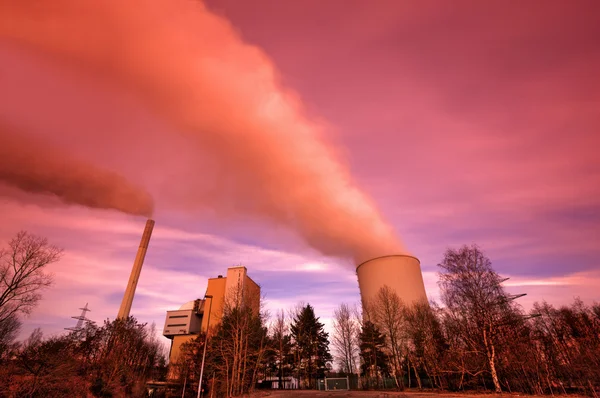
column 38, row 168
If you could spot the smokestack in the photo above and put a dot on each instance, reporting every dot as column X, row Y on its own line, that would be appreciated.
column 402, row 273
column 135, row 272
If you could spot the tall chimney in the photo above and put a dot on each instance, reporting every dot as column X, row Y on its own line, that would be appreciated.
column 135, row 272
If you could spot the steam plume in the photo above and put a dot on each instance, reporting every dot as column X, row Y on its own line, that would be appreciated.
column 37, row 168
column 191, row 67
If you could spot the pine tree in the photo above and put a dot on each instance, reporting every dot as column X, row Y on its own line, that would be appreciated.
column 310, row 343
column 375, row 362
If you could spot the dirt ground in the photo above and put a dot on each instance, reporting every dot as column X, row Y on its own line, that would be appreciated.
column 373, row 394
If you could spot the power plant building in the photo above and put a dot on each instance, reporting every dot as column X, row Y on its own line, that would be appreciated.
column 402, row 273
column 192, row 318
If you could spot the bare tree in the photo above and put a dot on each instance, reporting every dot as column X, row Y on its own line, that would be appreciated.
column 238, row 346
column 22, row 275
column 9, row 329
column 567, row 341
column 426, row 341
column 345, row 339
column 387, row 312
column 280, row 333
column 115, row 359
column 292, row 314
column 476, row 302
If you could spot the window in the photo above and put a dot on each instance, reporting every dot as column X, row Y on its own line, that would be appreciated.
column 177, row 316
column 177, row 324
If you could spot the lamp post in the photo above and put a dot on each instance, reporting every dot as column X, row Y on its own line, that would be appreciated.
column 205, row 343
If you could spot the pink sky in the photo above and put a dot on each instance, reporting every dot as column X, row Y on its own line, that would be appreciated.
column 463, row 122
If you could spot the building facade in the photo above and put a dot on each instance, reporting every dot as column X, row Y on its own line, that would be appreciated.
column 192, row 318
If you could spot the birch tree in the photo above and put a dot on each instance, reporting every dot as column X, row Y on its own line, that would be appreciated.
column 427, row 344
column 281, row 346
column 476, row 302
column 238, row 348
column 345, row 339
column 387, row 312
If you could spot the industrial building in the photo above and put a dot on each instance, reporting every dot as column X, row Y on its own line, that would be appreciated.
column 401, row 272
column 193, row 317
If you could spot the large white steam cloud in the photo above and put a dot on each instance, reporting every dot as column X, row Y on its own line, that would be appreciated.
column 191, row 67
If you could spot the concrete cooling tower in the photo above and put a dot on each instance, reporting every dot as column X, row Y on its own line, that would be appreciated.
column 401, row 273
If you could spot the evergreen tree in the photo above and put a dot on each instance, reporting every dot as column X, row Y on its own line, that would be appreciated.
column 311, row 344
column 375, row 362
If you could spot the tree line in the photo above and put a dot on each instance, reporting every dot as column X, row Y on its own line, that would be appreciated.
column 115, row 359
column 244, row 353
column 479, row 338
column 476, row 338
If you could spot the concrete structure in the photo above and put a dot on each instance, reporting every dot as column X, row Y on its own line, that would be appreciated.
column 184, row 321
column 135, row 271
column 402, row 273
column 184, row 324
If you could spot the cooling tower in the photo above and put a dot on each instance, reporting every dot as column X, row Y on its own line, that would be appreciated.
column 135, row 272
column 402, row 273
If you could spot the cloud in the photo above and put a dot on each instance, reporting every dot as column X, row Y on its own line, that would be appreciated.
column 459, row 129
column 268, row 158
column 99, row 253
column 462, row 130
column 39, row 168
column 556, row 290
